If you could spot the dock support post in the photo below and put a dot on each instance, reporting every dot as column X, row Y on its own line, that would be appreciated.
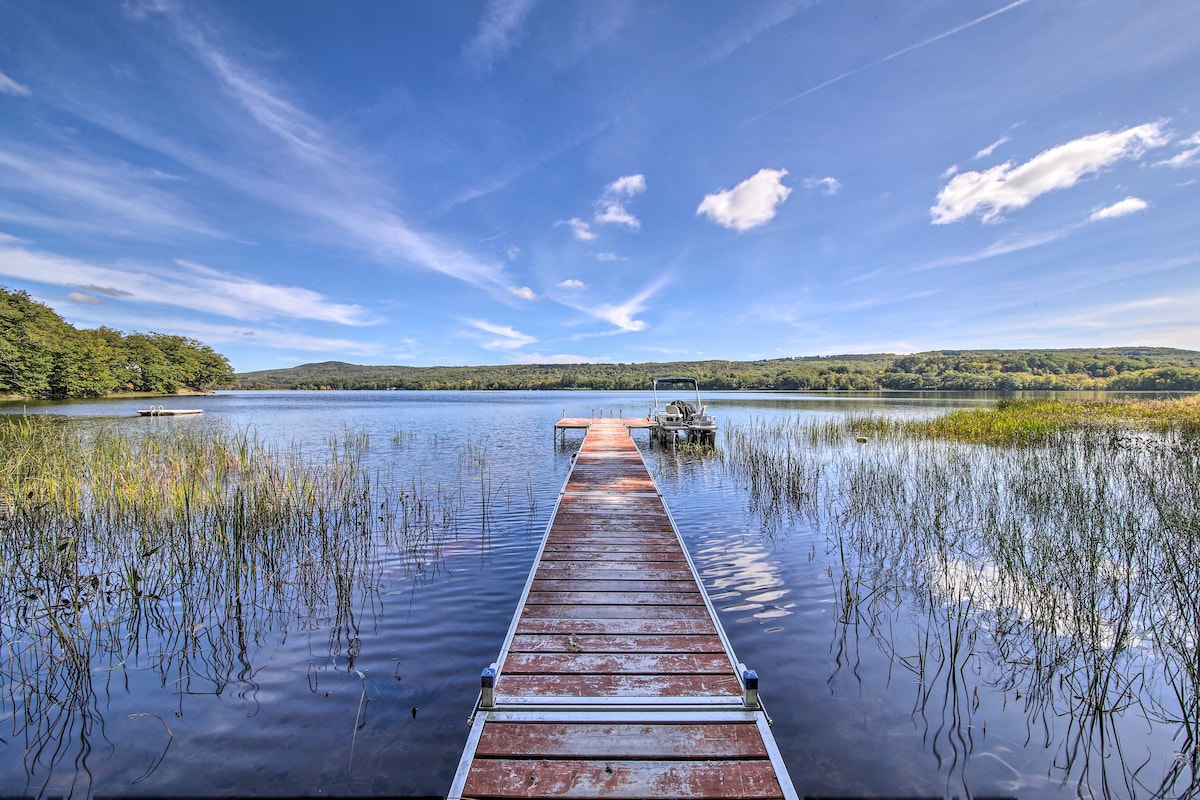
column 487, row 687
column 750, row 682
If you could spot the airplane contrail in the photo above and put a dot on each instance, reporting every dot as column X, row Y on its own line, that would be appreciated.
column 889, row 57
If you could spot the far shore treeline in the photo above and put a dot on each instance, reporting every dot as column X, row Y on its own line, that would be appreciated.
column 41, row 356
column 1111, row 368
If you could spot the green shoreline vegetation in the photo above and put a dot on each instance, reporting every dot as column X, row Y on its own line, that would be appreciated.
column 1096, row 369
column 1052, row 548
column 1022, row 421
column 43, row 357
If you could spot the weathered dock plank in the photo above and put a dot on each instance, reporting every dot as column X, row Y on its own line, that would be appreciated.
column 623, row 780
column 616, row 680
column 621, row 741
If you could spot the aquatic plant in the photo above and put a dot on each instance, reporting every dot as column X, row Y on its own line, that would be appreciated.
column 175, row 549
column 1054, row 548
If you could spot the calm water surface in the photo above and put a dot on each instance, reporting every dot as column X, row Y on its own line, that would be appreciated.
column 306, row 703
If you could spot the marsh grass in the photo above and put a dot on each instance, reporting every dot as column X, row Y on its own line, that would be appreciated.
column 1053, row 547
column 179, row 548
column 1019, row 422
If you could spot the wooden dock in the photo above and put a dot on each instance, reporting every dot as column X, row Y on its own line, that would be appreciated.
column 616, row 679
column 583, row 423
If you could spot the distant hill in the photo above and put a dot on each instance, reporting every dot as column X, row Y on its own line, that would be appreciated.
column 1113, row 368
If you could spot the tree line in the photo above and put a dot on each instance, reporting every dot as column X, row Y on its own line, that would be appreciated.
column 42, row 356
column 1129, row 368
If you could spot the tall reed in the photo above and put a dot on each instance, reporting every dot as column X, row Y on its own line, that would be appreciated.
column 188, row 542
column 1063, row 543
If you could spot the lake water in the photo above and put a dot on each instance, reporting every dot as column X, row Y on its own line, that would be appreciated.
column 315, row 702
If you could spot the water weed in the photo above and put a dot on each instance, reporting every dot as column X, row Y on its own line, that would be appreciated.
column 1051, row 549
column 173, row 549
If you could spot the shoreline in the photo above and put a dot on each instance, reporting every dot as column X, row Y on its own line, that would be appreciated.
column 22, row 398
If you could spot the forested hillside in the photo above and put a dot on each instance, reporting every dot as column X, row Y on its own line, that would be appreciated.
column 1125, row 368
column 41, row 356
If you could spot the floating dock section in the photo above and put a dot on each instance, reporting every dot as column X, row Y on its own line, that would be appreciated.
column 616, row 679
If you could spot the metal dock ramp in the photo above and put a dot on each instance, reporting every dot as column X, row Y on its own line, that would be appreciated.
column 616, row 679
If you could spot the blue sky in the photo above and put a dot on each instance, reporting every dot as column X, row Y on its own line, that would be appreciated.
column 514, row 181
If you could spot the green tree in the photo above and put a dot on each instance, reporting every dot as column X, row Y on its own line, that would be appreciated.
column 29, row 333
column 42, row 356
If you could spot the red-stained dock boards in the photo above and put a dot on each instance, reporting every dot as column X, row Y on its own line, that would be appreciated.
column 615, row 679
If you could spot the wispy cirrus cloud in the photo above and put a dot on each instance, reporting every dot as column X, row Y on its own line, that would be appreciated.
column 622, row 315
column 826, row 186
column 991, row 148
column 10, row 86
column 506, row 337
column 499, row 31
column 747, row 27
column 115, row 198
column 260, row 334
column 579, row 229
column 1122, row 208
column 182, row 285
column 314, row 174
column 1001, row 247
column 1010, row 186
column 1187, row 157
column 751, row 203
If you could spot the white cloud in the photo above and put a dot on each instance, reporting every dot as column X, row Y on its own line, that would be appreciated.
column 1006, row 187
column 571, row 283
column 626, row 186
column 182, row 285
column 508, row 337
column 84, row 299
column 523, row 292
column 949, row 172
column 9, row 86
column 610, row 208
column 513, row 253
column 499, row 30
column 614, row 213
column 991, row 148
column 622, row 315
column 607, row 256
column 1187, row 157
column 751, row 203
column 581, row 230
column 1130, row 205
column 827, row 186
